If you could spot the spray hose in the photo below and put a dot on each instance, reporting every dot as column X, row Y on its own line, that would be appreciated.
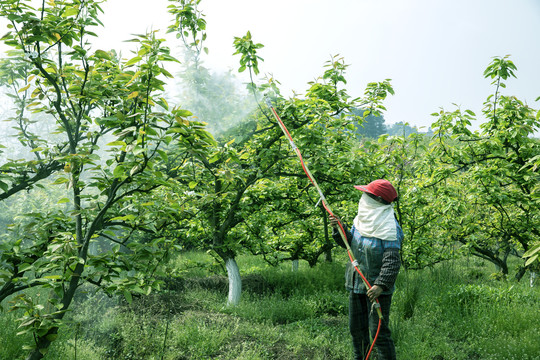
column 341, row 228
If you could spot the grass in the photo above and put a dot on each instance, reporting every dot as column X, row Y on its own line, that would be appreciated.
column 452, row 311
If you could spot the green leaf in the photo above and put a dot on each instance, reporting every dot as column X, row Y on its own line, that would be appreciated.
column 53, row 277
column 531, row 260
column 183, row 113
column 72, row 11
column 532, row 251
column 24, row 88
column 63, row 201
column 163, row 103
column 51, row 337
column 25, row 267
column 135, row 76
column 134, row 169
column 128, row 296
column 117, row 143
column 138, row 150
column 60, row 180
column 135, row 60
column 110, row 233
column 118, row 171
column 124, row 218
column 163, row 155
column 100, row 54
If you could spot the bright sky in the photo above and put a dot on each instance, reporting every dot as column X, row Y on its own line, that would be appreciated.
column 434, row 51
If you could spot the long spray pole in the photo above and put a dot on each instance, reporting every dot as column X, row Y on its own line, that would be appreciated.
column 341, row 228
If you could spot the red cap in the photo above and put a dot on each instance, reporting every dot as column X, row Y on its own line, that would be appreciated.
column 381, row 188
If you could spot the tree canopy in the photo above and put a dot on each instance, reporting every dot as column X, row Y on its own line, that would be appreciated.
column 106, row 179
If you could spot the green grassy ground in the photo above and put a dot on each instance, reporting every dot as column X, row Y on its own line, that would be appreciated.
column 453, row 311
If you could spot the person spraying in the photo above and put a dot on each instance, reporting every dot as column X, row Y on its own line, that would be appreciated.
column 375, row 240
column 376, row 220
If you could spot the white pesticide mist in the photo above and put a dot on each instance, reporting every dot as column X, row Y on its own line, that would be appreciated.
column 216, row 98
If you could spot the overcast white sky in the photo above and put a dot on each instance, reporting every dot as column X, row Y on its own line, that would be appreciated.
column 435, row 51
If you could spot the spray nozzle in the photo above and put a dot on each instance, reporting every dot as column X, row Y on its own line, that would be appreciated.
column 268, row 101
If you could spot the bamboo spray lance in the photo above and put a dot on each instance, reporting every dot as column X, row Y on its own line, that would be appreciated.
column 341, row 229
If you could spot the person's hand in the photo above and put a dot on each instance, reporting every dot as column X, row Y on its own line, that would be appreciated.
column 374, row 292
column 334, row 221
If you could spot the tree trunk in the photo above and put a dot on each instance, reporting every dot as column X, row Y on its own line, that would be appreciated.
column 486, row 254
column 328, row 242
column 295, row 265
column 519, row 274
column 43, row 342
column 235, row 282
column 7, row 290
column 328, row 255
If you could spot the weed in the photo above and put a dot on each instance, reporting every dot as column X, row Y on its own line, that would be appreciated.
column 439, row 313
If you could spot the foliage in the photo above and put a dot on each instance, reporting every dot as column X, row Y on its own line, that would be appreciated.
column 405, row 161
column 239, row 186
column 24, row 169
column 97, row 101
column 247, row 50
column 497, row 167
column 532, row 254
column 189, row 25
column 126, row 180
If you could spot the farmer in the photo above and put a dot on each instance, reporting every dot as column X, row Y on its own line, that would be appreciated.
column 375, row 240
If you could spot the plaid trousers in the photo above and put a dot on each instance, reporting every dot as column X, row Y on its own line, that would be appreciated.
column 363, row 322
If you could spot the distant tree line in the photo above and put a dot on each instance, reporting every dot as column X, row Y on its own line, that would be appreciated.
column 374, row 125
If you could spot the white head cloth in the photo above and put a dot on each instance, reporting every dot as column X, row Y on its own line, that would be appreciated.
column 375, row 219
